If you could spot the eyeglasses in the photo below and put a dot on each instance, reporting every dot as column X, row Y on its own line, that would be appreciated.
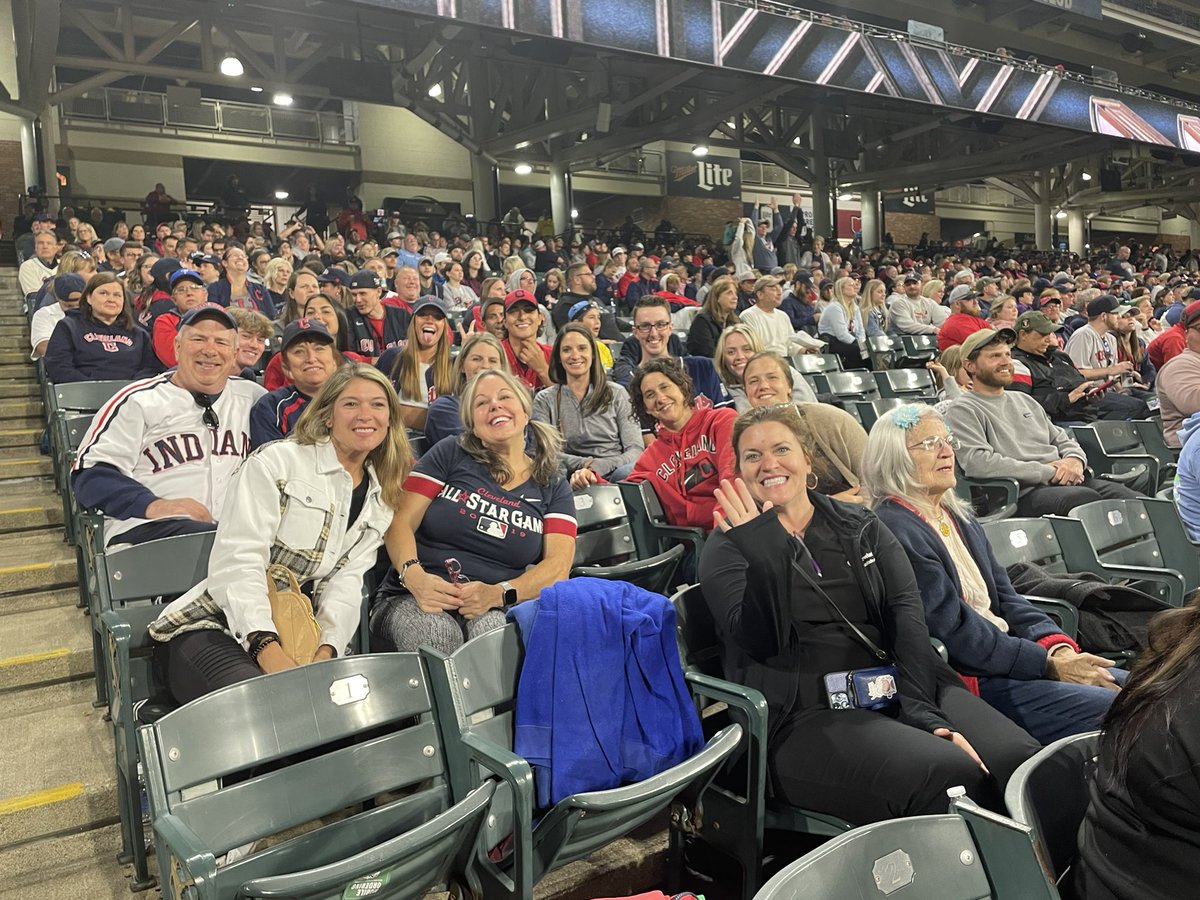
column 646, row 327
column 209, row 416
column 936, row 442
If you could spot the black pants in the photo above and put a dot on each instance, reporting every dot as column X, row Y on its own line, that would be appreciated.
column 850, row 353
column 196, row 663
column 1060, row 499
column 865, row 767
column 1119, row 407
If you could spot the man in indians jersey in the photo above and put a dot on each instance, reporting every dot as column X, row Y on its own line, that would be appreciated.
column 161, row 453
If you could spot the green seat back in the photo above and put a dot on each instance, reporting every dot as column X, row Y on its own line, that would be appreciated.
column 923, row 856
column 1048, row 792
column 267, row 755
column 1121, row 533
column 1025, row 541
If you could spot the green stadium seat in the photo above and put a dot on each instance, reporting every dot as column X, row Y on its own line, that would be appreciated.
column 478, row 682
column 357, row 734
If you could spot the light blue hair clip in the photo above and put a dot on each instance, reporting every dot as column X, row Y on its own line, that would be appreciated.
column 906, row 417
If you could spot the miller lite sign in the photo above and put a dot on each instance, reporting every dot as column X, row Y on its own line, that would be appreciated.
column 714, row 177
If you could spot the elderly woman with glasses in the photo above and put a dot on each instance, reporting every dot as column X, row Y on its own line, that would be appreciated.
column 1006, row 650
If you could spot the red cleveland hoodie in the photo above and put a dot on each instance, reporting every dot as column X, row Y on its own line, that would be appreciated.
column 685, row 467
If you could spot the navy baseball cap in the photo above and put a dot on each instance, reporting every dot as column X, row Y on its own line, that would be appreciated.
column 185, row 275
column 304, row 327
column 209, row 311
column 365, row 279
column 66, row 285
column 334, row 275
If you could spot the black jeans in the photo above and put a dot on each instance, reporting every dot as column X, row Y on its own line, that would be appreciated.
column 1060, row 499
column 865, row 766
column 196, row 663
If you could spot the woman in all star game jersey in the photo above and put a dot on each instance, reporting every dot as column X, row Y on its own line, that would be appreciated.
column 486, row 521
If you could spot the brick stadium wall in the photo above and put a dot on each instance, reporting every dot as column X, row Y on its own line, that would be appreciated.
column 12, row 183
column 695, row 215
column 1180, row 242
column 906, row 228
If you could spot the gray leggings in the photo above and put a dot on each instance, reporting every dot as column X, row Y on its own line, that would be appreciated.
column 397, row 623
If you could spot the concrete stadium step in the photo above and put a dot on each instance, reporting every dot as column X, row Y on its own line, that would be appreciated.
column 42, row 645
column 23, row 463
column 27, row 601
column 19, row 390
column 45, row 792
column 30, row 506
column 47, row 699
column 79, row 865
column 35, row 561
column 629, row 865
column 21, row 409
column 14, row 357
column 25, row 437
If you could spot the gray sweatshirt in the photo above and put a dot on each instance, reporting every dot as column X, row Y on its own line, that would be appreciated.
column 611, row 439
column 1009, row 436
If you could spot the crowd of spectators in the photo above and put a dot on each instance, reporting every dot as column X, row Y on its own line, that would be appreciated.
column 274, row 377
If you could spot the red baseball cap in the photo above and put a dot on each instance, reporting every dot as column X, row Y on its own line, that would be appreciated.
column 519, row 296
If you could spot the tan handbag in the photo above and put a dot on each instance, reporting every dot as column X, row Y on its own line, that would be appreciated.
column 292, row 612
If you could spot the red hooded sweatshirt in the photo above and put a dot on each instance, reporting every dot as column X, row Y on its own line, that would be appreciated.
column 685, row 467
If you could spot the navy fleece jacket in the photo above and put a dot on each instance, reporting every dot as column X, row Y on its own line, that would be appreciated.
column 976, row 646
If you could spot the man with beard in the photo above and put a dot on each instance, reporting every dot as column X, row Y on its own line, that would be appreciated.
column 1007, row 434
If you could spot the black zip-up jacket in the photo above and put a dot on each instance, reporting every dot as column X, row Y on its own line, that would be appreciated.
column 1050, row 379
column 747, row 578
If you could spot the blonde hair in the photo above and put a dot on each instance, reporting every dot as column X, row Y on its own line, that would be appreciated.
column 932, row 286
column 756, row 346
column 457, row 377
column 547, row 442
column 273, row 268
column 839, row 297
column 392, row 459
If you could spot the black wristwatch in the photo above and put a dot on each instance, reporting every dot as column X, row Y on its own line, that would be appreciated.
column 510, row 593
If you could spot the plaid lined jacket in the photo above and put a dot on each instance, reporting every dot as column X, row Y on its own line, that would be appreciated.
column 288, row 505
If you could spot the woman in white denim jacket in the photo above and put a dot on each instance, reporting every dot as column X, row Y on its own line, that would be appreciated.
column 318, row 503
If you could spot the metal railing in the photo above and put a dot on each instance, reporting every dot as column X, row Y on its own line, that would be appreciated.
column 118, row 105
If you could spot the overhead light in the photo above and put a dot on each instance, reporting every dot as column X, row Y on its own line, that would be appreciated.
column 523, row 168
column 975, row 235
column 521, row 145
column 574, row 214
column 282, row 99
column 583, row 136
column 232, row 66
column 256, row 88
column 796, row 140
column 700, row 150
column 1061, row 214
column 281, row 195
column 1086, row 176
column 435, row 91
column 845, row 195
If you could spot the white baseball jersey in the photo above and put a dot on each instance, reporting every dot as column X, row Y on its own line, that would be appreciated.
column 153, row 432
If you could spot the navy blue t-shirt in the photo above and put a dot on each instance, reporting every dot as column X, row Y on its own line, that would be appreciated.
column 494, row 534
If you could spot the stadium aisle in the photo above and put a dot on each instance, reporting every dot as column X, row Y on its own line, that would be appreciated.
column 58, row 809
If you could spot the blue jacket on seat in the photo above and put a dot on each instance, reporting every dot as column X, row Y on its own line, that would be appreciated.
column 601, row 700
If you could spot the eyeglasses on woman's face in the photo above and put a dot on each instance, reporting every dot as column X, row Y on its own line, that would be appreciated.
column 935, row 443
